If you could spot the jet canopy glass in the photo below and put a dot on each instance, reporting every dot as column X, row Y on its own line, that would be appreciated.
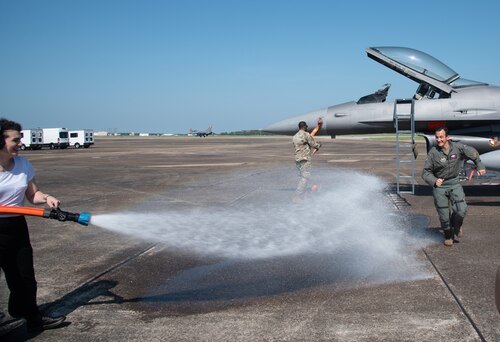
column 420, row 62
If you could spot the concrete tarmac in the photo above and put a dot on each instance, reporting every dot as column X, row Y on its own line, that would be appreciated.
column 115, row 287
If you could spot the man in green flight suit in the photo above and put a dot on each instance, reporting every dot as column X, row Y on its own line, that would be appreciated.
column 304, row 144
column 441, row 170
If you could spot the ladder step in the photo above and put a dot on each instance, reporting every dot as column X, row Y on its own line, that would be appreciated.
column 403, row 101
column 403, row 116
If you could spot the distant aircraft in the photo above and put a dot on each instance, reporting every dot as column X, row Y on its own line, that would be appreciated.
column 470, row 109
column 204, row 133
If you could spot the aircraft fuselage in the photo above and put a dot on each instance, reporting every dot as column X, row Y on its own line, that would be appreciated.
column 470, row 109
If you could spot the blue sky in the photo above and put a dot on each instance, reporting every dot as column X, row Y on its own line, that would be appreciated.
column 167, row 66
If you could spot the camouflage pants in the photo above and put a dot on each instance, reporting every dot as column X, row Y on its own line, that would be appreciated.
column 454, row 193
column 304, row 168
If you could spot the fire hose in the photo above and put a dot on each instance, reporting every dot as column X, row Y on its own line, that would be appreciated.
column 56, row 213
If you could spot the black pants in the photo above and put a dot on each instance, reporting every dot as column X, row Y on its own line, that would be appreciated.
column 16, row 260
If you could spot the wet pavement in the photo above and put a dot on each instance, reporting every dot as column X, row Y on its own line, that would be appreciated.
column 115, row 286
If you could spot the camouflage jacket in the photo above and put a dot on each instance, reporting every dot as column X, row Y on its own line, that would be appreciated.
column 303, row 143
column 448, row 165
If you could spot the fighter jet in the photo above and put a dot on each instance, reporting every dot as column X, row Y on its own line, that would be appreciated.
column 470, row 109
column 204, row 133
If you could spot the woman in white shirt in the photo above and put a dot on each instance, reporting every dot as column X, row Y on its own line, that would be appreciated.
column 17, row 183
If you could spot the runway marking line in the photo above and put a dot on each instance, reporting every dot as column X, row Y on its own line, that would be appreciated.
column 357, row 154
column 197, row 165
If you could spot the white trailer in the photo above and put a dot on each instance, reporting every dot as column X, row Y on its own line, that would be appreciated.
column 31, row 139
column 81, row 137
column 55, row 138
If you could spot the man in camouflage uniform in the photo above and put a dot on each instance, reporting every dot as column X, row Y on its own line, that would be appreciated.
column 304, row 144
column 441, row 170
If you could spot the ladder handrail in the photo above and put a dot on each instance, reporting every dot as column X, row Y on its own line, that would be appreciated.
column 397, row 117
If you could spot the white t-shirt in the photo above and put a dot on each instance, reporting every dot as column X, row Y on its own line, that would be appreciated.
column 13, row 183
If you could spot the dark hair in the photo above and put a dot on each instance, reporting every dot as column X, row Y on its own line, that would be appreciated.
column 442, row 128
column 302, row 124
column 6, row 125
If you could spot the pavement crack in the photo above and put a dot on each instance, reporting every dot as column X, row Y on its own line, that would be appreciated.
column 399, row 203
column 474, row 325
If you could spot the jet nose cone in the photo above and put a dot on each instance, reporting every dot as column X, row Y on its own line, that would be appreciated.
column 286, row 126
column 290, row 126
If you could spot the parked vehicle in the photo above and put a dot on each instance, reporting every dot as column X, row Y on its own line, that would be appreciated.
column 81, row 137
column 31, row 139
column 55, row 138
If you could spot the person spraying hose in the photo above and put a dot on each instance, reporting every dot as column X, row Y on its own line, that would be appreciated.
column 17, row 184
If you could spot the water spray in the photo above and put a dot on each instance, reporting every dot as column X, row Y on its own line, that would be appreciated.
column 349, row 229
column 57, row 214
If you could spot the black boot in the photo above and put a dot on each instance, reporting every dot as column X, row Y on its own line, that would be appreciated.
column 448, row 237
column 457, row 221
column 12, row 329
column 43, row 322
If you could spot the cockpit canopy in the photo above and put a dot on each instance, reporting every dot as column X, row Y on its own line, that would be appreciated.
column 420, row 62
column 432, row 75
